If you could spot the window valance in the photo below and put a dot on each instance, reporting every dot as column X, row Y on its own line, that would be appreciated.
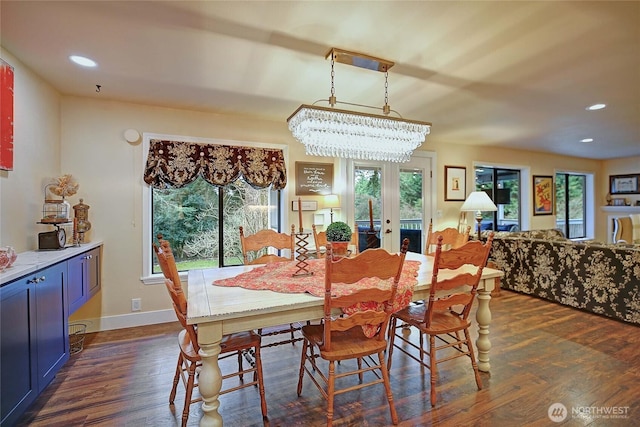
column 174, row 164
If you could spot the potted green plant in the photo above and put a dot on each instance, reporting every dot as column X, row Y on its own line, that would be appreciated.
column 339, row 234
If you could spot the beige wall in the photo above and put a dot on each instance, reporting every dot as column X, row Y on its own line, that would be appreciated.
column 84, row 137
column 36, row 158
column 624, row 166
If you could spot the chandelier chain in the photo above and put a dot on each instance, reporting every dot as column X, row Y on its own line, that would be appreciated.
column 333, row 74
column 386, row 88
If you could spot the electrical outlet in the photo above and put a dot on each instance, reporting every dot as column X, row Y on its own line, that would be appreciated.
column 136, row 304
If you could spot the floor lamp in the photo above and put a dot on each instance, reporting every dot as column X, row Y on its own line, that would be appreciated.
column 478, row 202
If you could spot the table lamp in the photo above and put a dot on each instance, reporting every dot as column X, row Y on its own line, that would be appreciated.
column 479, row 202
column 332, row 202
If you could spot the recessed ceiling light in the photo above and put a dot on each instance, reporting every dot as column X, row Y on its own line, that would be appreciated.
column 596, row 107
column 81, row 60
column 586, row 140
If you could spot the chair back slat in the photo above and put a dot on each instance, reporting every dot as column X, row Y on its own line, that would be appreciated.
column 444, row 303
column 451, row 238
column 466, row 264
column 265, row 240
column 470, row 253
column 372, row 263
column 368, row 317
column 372, row 294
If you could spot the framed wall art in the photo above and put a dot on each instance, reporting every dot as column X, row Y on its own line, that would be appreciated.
column 314, row 179
column 455, row 183
column 543, row 191
column 6, row 116
column 624, row 184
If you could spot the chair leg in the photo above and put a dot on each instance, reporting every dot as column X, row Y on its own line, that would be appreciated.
column 188, row 393
column 330, row 392
column 391, row 335
column 263, row 400
column 176, row 379
column 387, row 386
column 292, row 335
column 359, row 369
column 432, row 367
column 240, row 365
column 474, row 364
column 303, row 360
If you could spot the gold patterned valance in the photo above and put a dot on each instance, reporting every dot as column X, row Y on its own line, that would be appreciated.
column 174, row 164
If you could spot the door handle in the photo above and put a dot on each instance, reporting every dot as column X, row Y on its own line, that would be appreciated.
column 387, row 231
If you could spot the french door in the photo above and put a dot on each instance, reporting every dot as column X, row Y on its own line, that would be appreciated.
column 389, row 201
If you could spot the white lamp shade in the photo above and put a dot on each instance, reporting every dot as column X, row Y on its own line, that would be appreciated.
column 331, row 201
column 478, row 201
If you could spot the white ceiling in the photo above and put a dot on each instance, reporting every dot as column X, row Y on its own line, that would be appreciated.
column 516, row 74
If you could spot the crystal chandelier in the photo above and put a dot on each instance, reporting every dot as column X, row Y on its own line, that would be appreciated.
column 332, row 132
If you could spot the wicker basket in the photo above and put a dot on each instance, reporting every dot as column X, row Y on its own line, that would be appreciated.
column 76, row 337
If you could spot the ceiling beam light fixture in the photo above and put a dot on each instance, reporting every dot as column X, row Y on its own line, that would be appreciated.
column 333, row 132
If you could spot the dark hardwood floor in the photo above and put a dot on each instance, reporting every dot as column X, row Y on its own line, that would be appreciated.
column 542, row 353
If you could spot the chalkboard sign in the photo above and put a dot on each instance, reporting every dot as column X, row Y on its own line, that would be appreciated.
column 314, row 179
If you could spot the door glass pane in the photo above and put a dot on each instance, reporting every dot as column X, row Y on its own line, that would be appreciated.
column 577, row 191
column 561, row 203
column 411, row 208
column 187, row 218
column 503, row 186
column 367, row 193
column 570, row 204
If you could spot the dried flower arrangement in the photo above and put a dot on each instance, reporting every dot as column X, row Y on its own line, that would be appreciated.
column 64, row 186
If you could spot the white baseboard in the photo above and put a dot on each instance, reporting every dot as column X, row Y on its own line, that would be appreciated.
column 129, row 320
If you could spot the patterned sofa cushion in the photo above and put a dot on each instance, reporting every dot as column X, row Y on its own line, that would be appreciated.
column 550, row 234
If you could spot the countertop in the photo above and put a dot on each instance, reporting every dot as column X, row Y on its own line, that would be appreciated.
column 30, row 261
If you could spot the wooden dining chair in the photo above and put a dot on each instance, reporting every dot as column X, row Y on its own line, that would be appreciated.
column 340, row 338
column 189, row 361
column 451, row 238
column 320, row 238
column 446, row 314
column 259, row 248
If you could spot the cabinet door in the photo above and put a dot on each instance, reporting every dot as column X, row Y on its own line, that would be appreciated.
column 18, row 364
column 83, row 278
column 93, row 277
column 76, row 287
column 51, row 322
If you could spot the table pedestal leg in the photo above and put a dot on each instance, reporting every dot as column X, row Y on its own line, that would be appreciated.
column 483, row 316
column 210, row 379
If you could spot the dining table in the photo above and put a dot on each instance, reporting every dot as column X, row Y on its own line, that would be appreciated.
column 220, row 310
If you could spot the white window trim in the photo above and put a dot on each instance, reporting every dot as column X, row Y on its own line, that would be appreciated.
column 147, row 277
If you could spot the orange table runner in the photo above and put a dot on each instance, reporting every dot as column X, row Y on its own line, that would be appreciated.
column 278, row 277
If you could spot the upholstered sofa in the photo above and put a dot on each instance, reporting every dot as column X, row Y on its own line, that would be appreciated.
column 599, row 278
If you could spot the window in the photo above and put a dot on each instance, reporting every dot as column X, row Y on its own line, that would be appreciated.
column 571, row 202
column 503, row 186
column 201, row 191
column 201, row 221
